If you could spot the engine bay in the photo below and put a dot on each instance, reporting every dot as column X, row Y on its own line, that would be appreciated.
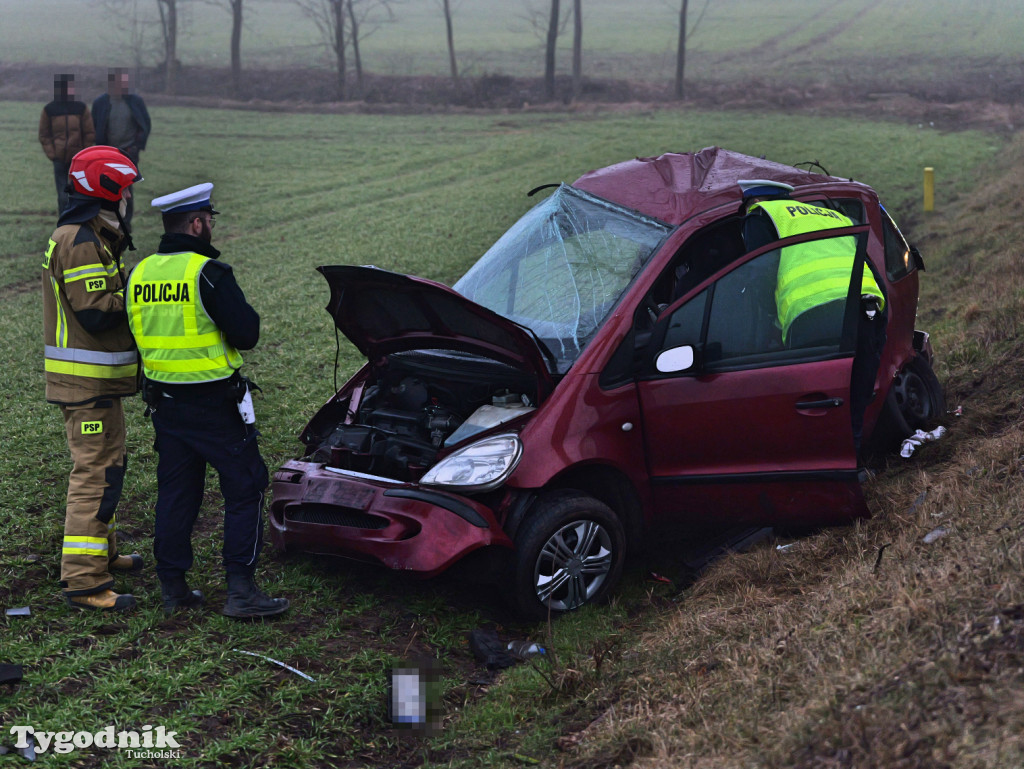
column 412, row 406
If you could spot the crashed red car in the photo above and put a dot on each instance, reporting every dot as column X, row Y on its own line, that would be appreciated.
column 611, row 364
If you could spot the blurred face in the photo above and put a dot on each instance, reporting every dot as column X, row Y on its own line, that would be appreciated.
column 119, row 84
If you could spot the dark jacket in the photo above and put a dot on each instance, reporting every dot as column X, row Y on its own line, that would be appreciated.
column 65, row 128
column 101, row 113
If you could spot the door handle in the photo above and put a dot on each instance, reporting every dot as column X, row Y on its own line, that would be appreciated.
column 827, row 403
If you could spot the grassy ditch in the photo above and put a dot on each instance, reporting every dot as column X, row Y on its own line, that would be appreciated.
column 427, row 195
column 874, row 645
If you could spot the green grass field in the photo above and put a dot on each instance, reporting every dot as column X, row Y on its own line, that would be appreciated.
column 785, row 39
column 424, row 195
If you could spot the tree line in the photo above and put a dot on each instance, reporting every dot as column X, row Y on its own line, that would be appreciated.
column 344, row 24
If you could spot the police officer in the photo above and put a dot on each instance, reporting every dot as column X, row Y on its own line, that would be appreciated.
column 814, row 281
column 91, row 363
column 190, row 319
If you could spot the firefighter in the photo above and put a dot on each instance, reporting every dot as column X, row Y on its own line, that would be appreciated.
column 91, row 363
column 190, row 319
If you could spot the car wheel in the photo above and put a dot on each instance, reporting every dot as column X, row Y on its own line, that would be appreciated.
column 569, row 552
column 918, row 394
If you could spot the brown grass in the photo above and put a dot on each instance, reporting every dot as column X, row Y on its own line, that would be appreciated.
column 865, row 646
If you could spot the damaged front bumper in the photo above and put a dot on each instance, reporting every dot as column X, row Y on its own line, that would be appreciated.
column 402, row 526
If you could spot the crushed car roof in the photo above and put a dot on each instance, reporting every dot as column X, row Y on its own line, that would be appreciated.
column 675, row 186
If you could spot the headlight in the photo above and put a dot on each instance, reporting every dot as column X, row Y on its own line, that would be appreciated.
column 479, row 467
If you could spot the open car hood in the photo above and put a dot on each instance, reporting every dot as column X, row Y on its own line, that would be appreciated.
column 384, row 312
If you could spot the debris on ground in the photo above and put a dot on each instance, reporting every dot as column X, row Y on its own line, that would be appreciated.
column 935, row 535
column 276, row 662
column 489, row 649
column 19, row 611
column 10, row 674
column 524, row 649
column 919, row 437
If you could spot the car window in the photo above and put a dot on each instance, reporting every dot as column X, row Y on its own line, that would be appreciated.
column 743, row 327
column 898, row 262
column 851, row 208
column 561, row 269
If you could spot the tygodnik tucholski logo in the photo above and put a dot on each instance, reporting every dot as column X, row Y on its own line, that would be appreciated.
column 148, row 742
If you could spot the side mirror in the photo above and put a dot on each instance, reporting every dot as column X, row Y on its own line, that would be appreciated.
column 674, row 359
column 916, row 255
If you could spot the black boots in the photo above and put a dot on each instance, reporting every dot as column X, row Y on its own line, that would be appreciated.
column 176, row 595
column 246, row 601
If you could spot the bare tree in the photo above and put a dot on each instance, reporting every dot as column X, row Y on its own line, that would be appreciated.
column 549, row 50
column 577, row 47
column 169, row 29
column 547, row 24
column 236, row 46
column 329, row 17
column 684, row 35
column 446, row 7
column 342, row 22
column 235, row 7
column 354, row 37
column 130, row 24
column 366, row 17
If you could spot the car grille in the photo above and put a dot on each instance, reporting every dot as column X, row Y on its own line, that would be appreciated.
column 329, row 515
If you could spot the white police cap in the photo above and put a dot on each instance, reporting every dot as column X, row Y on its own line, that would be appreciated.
column 762, row 188
column 195, row 198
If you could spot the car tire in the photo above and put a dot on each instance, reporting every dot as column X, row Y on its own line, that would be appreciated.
column 918, row 395
column 569, row 552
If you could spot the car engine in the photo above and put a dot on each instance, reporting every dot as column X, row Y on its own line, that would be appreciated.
column 409, row 408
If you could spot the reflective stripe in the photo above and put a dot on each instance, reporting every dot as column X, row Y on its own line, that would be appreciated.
column 86, row 271
column 91, row 356
column 178, row 342
column 61, row 336
column 73, row 368
column 85, row 546
column 186, row 366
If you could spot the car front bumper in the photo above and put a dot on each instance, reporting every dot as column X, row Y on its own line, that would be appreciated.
column 403, row 526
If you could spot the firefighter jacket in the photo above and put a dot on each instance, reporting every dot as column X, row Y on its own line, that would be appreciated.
column 178, row 340
column 89, row 351
column 65, row 128
column 817, row 272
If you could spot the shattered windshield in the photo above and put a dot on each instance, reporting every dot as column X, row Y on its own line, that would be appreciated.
column 561, row 269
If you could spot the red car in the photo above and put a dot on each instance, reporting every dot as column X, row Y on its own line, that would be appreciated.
column 612, row 363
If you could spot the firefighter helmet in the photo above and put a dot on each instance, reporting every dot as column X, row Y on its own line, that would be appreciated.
column 102, row 172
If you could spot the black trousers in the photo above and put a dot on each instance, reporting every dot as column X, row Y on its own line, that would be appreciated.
column 190, row 436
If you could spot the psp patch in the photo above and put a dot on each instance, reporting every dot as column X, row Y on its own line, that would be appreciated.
column 92, row 428
column 96, row 284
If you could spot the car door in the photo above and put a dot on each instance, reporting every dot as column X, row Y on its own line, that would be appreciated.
column 755, row 430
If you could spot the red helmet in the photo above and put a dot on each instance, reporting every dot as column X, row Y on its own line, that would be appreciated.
column 102, row 172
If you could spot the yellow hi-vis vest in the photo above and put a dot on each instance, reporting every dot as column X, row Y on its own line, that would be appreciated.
column 177, row 340
column 815, row 273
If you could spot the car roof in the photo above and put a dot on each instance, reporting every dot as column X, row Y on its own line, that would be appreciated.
column 675, row 186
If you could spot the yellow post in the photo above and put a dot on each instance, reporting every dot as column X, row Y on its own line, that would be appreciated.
column 929, row 189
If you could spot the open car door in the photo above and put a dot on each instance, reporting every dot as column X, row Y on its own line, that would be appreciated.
column 741, row 426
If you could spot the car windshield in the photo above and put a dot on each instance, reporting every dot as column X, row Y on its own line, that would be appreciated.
column 561, row 269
